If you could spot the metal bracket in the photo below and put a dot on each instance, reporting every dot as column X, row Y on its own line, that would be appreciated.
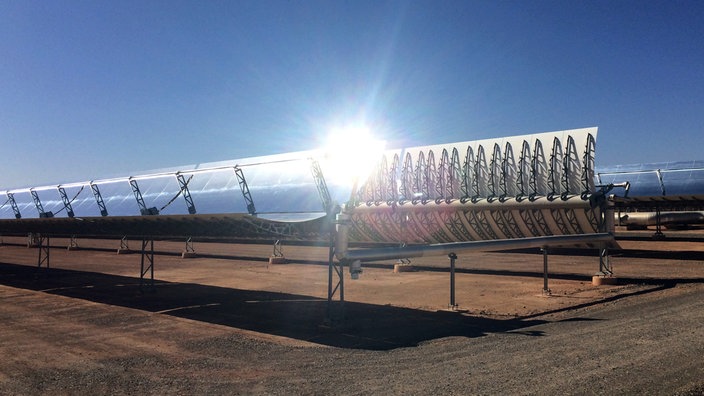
column 66, row 201
column 659, row 235
column 40, row 207
column 140, row 200
column 183, row 183
column 99, row 199
column 245, row 191
column 13, row 203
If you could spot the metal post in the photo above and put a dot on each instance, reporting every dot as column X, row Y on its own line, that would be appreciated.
column 331, row 258
column 335, row 268
column 452, row 257
column 190, row 250
column 149, row 254
column 189, row 245
column 278, row 249
column 604, row 264
column 658, row 226
column 73, row 243
column 43, row 251
column 546, row 289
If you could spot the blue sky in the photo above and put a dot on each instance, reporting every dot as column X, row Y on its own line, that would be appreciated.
column 96, row 88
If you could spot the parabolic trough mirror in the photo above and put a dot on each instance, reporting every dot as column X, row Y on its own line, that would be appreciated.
column 516, row 187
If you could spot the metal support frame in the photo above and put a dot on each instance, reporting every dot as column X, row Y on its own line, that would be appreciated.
column 453, row 304
column 245, row 191
column 39, row 206
column 99, row 199
column 546, row 289
column 32, row 240
column 66, row 201
column 183, row 183
column 189, row 246
column 73, row 243
column 124, row 243
column 278, row 249
column 148, row 257
column 658, row 224
column 605, row 268
column 140, row 200
column 335, row 268
column 44, row 249
column 322, row 186
column 13, row 203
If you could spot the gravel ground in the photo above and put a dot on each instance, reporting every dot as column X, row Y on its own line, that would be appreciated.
column 95, row 333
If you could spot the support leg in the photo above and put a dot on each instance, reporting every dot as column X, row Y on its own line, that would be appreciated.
column 546, row 289
column 73, row 243
column 335, row 270
column 453, row 257
column 149, row 268
column 124, row 247
column 190, row 251
column 604, row 264
column 43, row 243
column 277, row 256
column 605, row 274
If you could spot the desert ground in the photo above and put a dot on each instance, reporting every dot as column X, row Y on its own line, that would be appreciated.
column 228, row 322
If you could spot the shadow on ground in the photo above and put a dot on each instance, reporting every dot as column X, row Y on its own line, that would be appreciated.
column 367, row 326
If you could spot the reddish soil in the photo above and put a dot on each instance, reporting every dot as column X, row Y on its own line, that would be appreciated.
column 239, row 325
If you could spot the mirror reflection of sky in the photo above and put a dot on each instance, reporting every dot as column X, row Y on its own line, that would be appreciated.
column 283, row 188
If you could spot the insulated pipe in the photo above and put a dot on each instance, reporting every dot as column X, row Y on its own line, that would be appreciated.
column 342, row 228
column 392, row 253
column 651, row 218
column 572, row 202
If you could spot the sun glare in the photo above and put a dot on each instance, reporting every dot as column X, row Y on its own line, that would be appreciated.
column 351, row 154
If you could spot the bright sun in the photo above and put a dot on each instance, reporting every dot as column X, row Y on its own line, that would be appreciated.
column 351, row 154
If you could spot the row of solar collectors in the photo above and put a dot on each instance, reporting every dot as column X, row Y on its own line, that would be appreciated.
column 683, row 178
column 285, row 190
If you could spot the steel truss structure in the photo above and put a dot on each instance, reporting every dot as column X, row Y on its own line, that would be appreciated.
column 485, row 190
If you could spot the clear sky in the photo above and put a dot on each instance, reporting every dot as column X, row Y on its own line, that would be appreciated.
column 95, row 88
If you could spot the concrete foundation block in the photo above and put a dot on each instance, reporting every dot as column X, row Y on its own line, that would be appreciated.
column 277, row 260
column 403, row 268
column 599, row 280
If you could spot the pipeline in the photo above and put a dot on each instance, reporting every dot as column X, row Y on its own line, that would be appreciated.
column 651, row 218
